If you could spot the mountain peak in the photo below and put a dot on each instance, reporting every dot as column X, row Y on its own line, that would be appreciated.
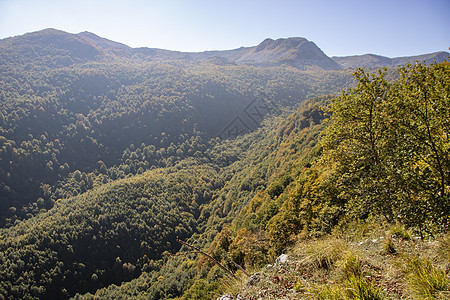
column 49, row 46
column 294, row 51
column 286, row 43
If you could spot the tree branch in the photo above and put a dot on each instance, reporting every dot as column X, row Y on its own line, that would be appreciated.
column 197, row 250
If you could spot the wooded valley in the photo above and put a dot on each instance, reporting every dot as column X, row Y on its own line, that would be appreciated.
column 108, row 155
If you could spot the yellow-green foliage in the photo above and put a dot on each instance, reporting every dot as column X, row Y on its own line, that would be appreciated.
column 400, row 232
column 426, row 281
column 388, row 141
column 351, row 266
column 355, row 288
column 359, row 288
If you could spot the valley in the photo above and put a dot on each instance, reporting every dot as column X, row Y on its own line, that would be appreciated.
column 109, row 154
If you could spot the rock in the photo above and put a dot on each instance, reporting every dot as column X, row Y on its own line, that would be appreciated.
column 282, row 259
column 253, row 279
column 226, row 297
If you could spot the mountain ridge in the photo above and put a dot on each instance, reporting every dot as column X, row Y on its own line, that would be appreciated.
column 374, row 60
column 297, row 52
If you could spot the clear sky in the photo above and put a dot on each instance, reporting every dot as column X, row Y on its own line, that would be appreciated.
column 339, row 27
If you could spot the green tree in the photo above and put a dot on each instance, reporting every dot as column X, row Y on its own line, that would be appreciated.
column 421, row 108
column 389, row 142
column 356, row 142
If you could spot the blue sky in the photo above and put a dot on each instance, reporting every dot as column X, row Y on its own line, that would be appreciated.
column 347, row 27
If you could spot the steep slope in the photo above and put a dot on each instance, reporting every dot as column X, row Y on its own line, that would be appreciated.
column 108, row 235
column 233, row 222
column 371, row 60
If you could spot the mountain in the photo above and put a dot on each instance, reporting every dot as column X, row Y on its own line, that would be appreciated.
column 77, row 102
column 85, row 46
column 372, row 60
column 297, row 52
column 58, row 48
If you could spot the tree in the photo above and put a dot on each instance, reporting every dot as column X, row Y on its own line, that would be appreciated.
column 389, row 142
column 356, row 142
column 422, row 110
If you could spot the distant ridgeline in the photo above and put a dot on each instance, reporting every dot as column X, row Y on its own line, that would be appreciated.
column 109, row 153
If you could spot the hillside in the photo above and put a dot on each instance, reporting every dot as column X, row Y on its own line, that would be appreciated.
column 87, row 47
column 291, row 193
column 105, row 236
column 74, row 115
column 109, row 156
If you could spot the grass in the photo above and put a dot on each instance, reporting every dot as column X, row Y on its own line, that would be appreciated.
column 399, row 231
column 358, row 265
column 389, row 247
column 352, row 266
column 444, row 248
column 328, row 292
column 324, row 253
column 232, row 286
column 424, row 280
column 354, row 288
column 359, row 288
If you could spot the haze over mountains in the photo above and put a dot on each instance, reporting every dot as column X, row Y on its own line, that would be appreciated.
column 296, row 52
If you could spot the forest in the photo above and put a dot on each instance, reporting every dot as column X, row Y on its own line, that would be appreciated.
column 66, row 130
column 106, row 162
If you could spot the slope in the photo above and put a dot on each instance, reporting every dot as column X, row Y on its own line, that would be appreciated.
column 66, row 128
column 231, row 224
column 291, row 190
column 105, row 236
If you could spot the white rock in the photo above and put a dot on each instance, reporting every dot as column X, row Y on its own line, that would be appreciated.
column 226, row 297
column 282, row 259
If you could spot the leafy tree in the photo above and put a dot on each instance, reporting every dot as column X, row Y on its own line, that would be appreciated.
column 421, row 102
column 389, row 142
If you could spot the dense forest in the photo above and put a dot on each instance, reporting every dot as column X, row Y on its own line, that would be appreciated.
column 108, row 157
column 66, row 127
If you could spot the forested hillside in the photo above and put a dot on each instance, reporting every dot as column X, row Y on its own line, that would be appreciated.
column 108, row 154
column 293, row 186
column 66, row 127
